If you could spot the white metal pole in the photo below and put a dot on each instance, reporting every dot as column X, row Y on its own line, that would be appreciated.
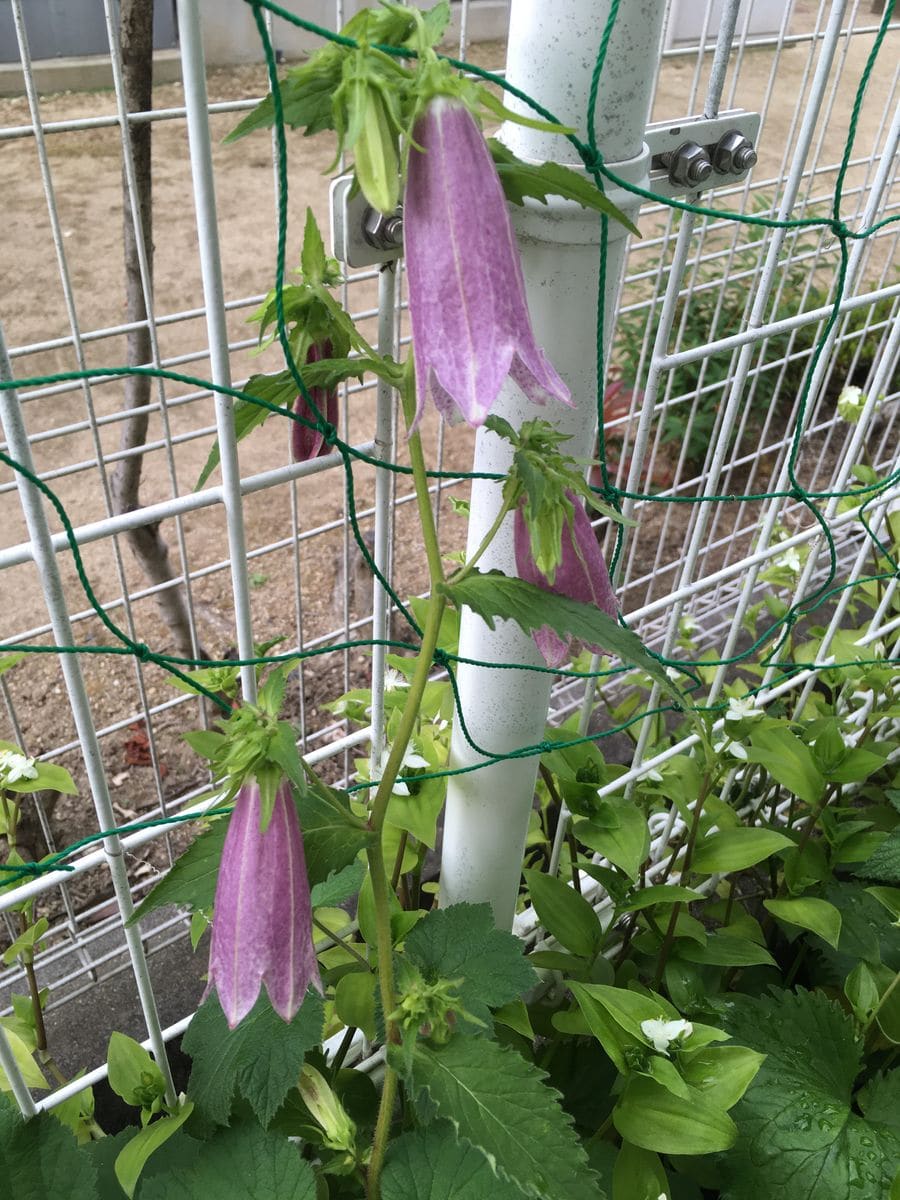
column 54, row 595
column 195, row 101
column 551, row 56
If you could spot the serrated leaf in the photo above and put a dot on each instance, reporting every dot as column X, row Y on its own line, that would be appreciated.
column 461, row 942
column 191, row 881
column 306, row 94
column 799, row 1136
column 40, row 1159
column 340, row 886
column 499, row 1103
column 540, row 180
column 884, row 864
column 807, row 912
column 247, row 417
column 434, row 1165
column 737, row 849
column 332, row 835
column 565, row 914
column 491, row 594
column 260, row 1059
column 243, row 1163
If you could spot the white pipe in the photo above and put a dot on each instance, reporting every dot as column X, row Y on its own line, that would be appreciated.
column 551, row 55
column 54, row 596
column 195, row 100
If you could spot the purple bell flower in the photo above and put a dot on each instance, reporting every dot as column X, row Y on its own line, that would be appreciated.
column 581, row 575
column 470, row 322
column 309, row 443
column 262, row 919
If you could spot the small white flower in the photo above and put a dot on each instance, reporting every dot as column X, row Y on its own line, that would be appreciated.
column 663, row 1033
column 654, row 775
column 411, row 760
column 394, row 680
column 15, row 766
column 742, row 708
column 790, row 560
column 673, row 673
column 689, row 626
column 850, row 403
column 727, row 746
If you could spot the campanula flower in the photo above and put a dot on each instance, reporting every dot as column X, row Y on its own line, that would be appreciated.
column 581, row 575
column 307, row 443
column 470, row 323
column 262, row 919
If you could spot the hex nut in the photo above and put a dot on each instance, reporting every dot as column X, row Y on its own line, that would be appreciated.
column 689, row 165
column 733, row 153
column 384, row 233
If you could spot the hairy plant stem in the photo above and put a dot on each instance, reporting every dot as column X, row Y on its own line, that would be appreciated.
column 380, row 884
column 666, row 948
column 11, row 810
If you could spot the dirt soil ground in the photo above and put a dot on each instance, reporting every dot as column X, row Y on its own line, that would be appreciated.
column 85, row 167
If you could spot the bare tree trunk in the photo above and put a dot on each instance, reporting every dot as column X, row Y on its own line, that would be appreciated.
column 147, row 544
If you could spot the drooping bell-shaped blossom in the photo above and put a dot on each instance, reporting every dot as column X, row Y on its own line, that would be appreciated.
column 581, row 575
column 262, row 919
column 470, row 323
column 306, row 442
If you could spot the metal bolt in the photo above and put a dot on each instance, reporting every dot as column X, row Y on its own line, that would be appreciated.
column 733, row 153
column 688, row 166
column 384, row 233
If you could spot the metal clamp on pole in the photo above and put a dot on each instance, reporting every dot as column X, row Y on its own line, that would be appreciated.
column 360, row 235
column 699, row 152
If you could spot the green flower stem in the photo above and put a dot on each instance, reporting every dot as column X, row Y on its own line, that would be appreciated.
column 405, row 729
column 666, row 947
column 506, row 507
column 11, row 818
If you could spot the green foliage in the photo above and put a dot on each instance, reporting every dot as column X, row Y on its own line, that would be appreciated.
column 799, row 1136
column 242, row 1163
column 40, row 1159
column 498, row 1103
column 434, row 1165
column 260, row 1060
column 491, row 595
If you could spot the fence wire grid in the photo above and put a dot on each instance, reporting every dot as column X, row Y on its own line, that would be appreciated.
column 790, row 277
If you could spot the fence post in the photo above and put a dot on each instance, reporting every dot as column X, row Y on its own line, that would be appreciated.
column 551, row 55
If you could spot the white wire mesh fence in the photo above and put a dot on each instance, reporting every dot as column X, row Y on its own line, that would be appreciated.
column 717, row 325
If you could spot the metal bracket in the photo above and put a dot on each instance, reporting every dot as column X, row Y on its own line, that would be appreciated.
column 701, row 152
column 361, row 236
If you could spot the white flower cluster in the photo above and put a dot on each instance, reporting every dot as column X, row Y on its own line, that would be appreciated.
column 850, row 404
column 15, row 767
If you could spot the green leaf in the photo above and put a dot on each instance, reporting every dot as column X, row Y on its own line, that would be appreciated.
column 491, row 594
column 788, row 760
column 434, row 1165
column 247, row 417
column 650, row 1116
column 354, row 1001
column 721, row 1073
column 40, row 1159
column 133, row 1157
column 191, row 881
column 638, row 1175
column 660, row 893
column 332, row 835
column 799, row 1136
column 461, row 942
column 565, row 914
column 884, row 864
column 28, row 1068
column 306, row 95
column 8, row 661
column 861, row 990
column 618, row 830
column 499, row 1103
column 809, row 913
column 243, row 1163
column 313, row 260
column 726, row 950
column 340, row 886
column 133, row 1074
column 260, row 1059
column 737, row 849
column 26, row 941
column 540, row 180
